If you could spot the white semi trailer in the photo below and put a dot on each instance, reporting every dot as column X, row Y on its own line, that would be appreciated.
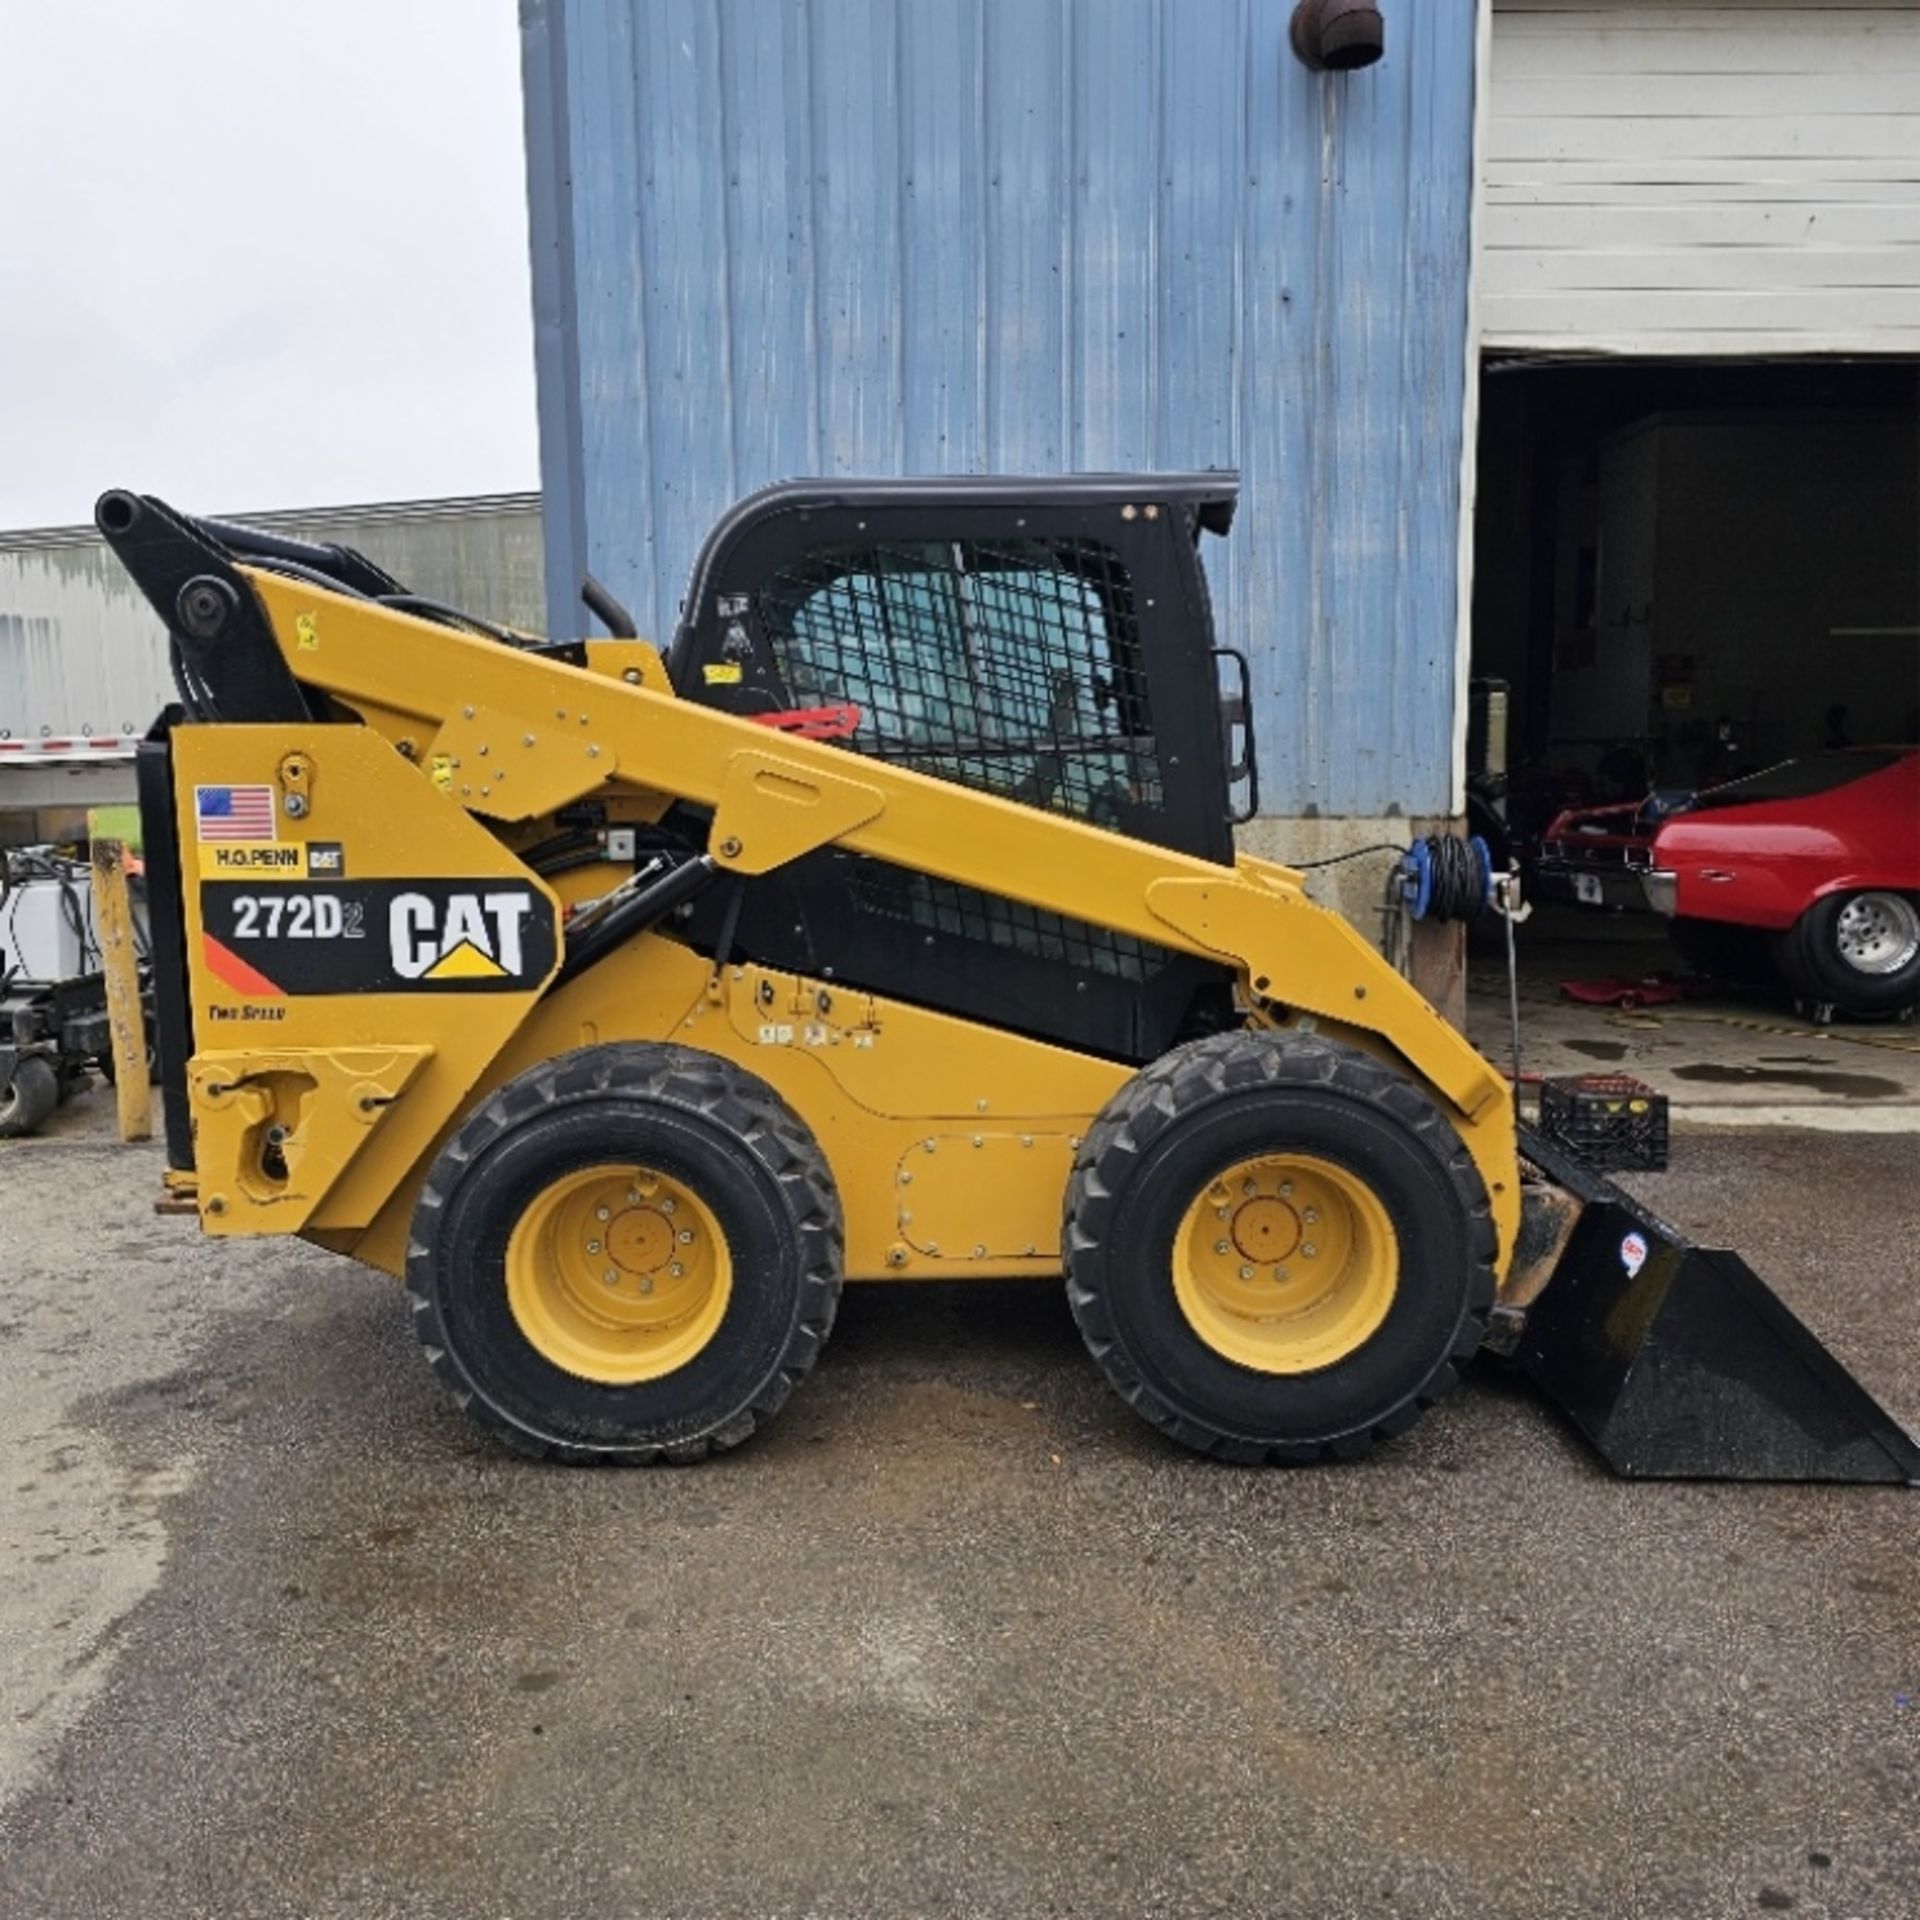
column 83, row 661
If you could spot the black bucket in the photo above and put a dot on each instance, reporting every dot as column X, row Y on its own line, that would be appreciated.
column 1679, row 1363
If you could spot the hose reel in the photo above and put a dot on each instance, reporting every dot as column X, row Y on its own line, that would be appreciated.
column 1446, row 879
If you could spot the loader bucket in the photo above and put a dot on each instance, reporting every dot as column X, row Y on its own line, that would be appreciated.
column 1679, row 1363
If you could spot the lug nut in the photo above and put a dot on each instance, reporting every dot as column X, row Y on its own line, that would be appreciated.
column 676, row 1269
column 1309, row 1251
column 611, row 1278
column 1310, row 1215
column 686, row 1236
column 666, row 1206
column 593, row 1246
column 1248, row 1187
column 1279, row 1273
column 1219, row 1246
column 603, row 1213
column 1246, row 1273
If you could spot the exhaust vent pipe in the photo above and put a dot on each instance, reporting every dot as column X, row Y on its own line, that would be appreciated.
column 1337, row 36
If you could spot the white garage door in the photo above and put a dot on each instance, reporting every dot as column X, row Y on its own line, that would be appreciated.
column 1679, row 177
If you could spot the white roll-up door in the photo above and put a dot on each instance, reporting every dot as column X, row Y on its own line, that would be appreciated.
column 1680, row 177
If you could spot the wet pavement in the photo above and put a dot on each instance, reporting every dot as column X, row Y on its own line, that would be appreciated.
column 1723, row 1056
column 281, row 1635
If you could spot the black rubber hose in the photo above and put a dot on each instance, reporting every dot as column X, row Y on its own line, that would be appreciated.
column 1459, row 889
column 607, row 610
column 649, row 904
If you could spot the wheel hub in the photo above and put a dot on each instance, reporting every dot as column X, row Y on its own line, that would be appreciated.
column 1265, row 1230
column 1878, row 933
column 1286, row 1264
column 618, row 1274
column 640, row 1240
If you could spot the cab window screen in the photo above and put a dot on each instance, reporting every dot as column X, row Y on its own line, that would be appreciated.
column 1008, row 665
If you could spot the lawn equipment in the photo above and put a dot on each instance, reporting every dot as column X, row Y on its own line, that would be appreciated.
column 54, row 1030
column 887, row 927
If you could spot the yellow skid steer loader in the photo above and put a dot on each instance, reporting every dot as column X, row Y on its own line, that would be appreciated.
column 888, row 927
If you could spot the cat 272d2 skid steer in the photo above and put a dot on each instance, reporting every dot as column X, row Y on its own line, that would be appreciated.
column 889, row 927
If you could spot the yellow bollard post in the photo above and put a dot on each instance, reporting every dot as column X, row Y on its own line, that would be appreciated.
column 120, row 963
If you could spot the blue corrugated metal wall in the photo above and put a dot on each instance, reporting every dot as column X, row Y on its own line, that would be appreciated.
column 784, row 237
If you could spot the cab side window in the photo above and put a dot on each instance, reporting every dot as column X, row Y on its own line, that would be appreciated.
column 1012, row 666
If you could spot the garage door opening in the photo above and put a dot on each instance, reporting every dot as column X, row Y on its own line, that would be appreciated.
column 1686, row 573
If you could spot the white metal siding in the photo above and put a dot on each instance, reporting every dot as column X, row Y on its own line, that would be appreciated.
column 83, row 654
column 1681, row 177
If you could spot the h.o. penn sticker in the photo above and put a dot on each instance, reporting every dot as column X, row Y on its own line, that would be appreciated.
column 1633, row 1253
column 263, row 859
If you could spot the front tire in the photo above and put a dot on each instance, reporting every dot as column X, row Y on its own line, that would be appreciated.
column 30, row 1096
column 1277, row 1248
column 629, row 1254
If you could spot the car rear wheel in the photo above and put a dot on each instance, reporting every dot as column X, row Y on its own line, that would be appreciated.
column 1858, row 951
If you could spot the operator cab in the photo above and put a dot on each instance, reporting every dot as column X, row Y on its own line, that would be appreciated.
column 1050, row 641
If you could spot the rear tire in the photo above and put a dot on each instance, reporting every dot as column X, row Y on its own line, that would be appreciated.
column 629, row 1254
column 31, row 1095
column 1858, row 951
column 1196, row 1286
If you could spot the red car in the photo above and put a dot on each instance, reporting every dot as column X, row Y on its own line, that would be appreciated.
column 1814, row 864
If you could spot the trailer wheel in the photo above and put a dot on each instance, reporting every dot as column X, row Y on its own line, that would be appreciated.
column 1860, row 951
column 629, row 1254
column 1277, row 1248
column 32, row 1094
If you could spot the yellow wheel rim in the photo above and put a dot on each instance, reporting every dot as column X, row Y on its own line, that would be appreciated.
column 1286, row 1263
column 618, row 1274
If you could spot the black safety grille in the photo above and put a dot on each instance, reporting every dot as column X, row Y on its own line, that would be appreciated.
column 940, row 907
column 1013, row 666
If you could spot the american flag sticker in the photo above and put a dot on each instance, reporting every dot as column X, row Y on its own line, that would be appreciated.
column 234, row 813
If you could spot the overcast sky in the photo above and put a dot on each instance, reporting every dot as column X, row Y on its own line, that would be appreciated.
column 261, row 253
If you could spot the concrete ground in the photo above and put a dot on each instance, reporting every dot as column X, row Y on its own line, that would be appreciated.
column 1724, row 1057
column 280, row 1635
